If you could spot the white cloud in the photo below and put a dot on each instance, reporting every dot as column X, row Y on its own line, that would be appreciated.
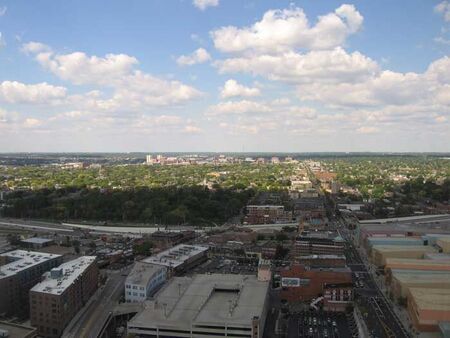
column 190, row 129
column 198, row 56
column 133, row 90
column 367, row 130
column 444, row 9
column 238, row 107
column 283, row 30
column 17, row 92
column 332, row 66
column 204, row 4
column 32, row 123
column 232, row 88
column 34, row 47
column 3, row 10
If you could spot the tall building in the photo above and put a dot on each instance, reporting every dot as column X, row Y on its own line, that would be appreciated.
column 61, row 294
column 214, row 305
column 20, row 270
column 148, row 159
column 143, row 281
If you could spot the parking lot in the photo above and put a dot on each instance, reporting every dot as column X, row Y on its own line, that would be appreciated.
column 322, row 324
column 228, row 266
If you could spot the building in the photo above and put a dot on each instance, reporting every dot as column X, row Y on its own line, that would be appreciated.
column 444, row 244
column 428, row 307
column 380, row 253
column 402, row 280
column 323, row 261
column 143, row 281
column 171, row 238
column 337, row 297
column 307, row 245
column 13, row 330
column 267, row 214
column 61, row 294
column 179, row 258
column 20, row 270
column 300, row 283
column 205, row 306
column 414, row 264
column 264, row 270
column 36, row 242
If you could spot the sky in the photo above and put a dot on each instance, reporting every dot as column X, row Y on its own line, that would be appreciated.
column 224, row 75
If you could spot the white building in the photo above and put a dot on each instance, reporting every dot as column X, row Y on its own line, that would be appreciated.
column 143, row 281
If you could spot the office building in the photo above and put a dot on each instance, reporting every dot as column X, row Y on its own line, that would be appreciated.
column 143, row 281
column 308, row 245
column 205, row 306
column 61, row 294
column 36, row 242
column 20, row 270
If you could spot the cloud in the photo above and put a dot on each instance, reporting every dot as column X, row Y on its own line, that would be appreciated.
column 198, row 56
column 132, row 89
column 17, row 92
column 444, row 9
column 232, row 88
column 332, row 66
column 32, row 123
column 34, row 47
column 3, row 10
column 238, row 107
column 192, row 130
column 287, row 29
column 367, row 130
column 204, row 4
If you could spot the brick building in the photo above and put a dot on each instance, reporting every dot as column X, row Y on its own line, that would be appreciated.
column 302, row 284
column 267, row 214
column 20, row 270
column 305, row 246
column 61, row 294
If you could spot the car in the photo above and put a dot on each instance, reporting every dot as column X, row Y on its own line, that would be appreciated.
column 334, row 323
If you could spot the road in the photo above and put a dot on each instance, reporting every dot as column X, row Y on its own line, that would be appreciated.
column 381, row 318
column 90, row 320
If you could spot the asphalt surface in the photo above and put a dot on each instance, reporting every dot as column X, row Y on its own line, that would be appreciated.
column 321, row 325
column 91, row 319
column 381, row 320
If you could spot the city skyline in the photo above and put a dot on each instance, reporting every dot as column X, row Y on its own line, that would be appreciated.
column 224, row 76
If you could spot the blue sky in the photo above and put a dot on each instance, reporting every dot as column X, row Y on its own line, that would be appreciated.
column 223, row 75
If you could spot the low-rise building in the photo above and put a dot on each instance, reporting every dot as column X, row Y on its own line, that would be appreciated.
column 306, row 246
column 380, row 253
column 402, row 280
column 205, row 306
column 20, row 270
column 428, row 307
column 61, row 294
column 179, row 258
column 300, row 283
column 36, row 242
column 322, row 261
column 267, row 214
column 14, row 330
column 143, row 281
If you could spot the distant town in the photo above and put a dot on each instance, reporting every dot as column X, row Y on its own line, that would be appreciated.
column 229, row 245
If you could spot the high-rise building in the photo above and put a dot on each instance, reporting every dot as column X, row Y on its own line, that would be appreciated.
column 61, row 294
column 20, row 270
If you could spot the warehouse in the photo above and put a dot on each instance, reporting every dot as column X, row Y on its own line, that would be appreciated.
column 427, row 307
column 402, row 280
column 380, row 253
column 414, row 264
column 204, row 306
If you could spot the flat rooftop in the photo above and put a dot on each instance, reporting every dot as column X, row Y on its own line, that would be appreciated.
column 20, row 260
column 215, row 299
column 425, row 278
column 59, row 279
column 402, row 248
column 431, row 299
column 37, row 240
column 17, row 330
column 175, row 256
column 142, row 273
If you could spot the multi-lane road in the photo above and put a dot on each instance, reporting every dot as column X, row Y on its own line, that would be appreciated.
column 381, row 319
